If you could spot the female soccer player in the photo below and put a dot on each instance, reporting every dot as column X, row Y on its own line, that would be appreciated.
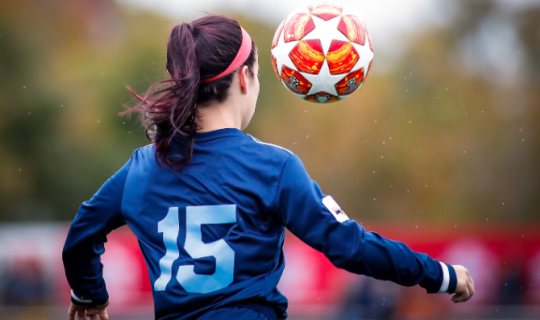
column 210, row 204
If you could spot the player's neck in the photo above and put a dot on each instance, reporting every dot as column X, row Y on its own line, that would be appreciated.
column 217, row 116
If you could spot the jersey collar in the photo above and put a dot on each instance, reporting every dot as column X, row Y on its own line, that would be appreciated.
column 212, row 135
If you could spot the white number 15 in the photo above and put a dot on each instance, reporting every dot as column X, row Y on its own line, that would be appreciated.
column 196, row 216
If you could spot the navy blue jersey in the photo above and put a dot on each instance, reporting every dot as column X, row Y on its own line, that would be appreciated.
column 212, row 234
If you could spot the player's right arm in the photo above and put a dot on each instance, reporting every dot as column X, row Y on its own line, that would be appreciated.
column 318, row 221
column 84, row 246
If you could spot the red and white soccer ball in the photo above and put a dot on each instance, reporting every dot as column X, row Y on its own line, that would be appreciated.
column 322, row 53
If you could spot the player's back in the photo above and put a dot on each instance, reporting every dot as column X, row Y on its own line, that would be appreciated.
column 209, row 233
column 212, row 233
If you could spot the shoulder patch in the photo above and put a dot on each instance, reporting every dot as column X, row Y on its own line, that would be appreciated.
column 335, row 209
column 269, row 144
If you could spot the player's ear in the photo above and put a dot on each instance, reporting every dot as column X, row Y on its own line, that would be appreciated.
column 243, row 74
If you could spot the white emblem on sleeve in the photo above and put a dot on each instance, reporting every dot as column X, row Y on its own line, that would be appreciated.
column 333, row 207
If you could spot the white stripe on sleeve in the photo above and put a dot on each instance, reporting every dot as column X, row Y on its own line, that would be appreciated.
column 446, row 278
column 77, row 298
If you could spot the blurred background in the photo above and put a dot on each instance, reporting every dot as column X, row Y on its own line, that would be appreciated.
column 439, row 148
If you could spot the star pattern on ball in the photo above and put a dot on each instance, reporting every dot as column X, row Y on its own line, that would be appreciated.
column 325, row 61
column 281, row 53
column 326, row 32
column 366, row 55
column 324, row 81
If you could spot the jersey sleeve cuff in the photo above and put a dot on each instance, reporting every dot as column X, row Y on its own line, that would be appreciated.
column 453, row 279
column 449, row 280
column 83, row 301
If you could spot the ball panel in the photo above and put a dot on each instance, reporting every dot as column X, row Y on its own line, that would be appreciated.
column 341, row 57
column 308, row 56
column 295, row 81
column 325, row 11
column 322, row 97
column 369, row 39
column 275, row 41
column 369, row 68
column 274, row 65
column 298, row 26
column 352, row 28
column 350, row 83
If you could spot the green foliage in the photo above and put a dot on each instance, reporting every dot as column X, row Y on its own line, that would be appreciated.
column 425, row 141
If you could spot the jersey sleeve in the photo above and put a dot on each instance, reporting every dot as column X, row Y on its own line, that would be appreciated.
column 86, row 238
column 318, row 221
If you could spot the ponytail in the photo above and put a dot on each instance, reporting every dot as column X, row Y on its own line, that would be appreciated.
column 170, row 105
column 199, row 50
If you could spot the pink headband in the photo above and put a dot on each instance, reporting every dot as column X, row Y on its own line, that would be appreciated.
column 241, row 57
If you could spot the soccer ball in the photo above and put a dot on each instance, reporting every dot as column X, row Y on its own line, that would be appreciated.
column 322, row 53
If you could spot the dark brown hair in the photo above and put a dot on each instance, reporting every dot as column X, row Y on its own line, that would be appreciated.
column 195, row 51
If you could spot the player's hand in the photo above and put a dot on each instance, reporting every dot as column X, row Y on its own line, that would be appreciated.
column 465, row 285
column 92, row 312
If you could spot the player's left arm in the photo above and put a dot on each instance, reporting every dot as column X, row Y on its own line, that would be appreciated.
column 85, row 243
column 318, row 221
